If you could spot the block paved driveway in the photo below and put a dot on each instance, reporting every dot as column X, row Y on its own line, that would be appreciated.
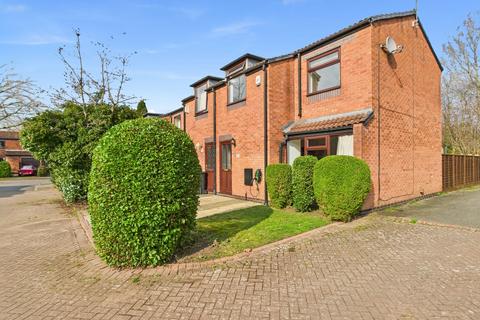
column 373, row 268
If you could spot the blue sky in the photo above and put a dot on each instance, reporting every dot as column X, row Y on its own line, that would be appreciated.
column 179, row 42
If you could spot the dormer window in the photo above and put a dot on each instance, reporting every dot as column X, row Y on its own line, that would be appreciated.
column 324, row 72
column 201, row 99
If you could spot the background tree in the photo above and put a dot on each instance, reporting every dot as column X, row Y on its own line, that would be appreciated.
column 461, row 90
column 18, row 99
column 87, row 88
column 142, row 108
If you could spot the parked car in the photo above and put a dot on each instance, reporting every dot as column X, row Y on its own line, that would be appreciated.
column 27, row 171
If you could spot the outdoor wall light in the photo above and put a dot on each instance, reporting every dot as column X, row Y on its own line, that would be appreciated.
column 233, row 142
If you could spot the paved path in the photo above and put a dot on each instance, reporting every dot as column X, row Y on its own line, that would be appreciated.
column 373, row 268
column 213, row 204
column 457, row 208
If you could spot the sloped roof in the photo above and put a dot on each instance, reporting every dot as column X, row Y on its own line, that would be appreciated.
column 330, row 122
column 9, row 135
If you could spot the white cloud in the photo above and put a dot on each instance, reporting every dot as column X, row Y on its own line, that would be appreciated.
column 233, row 28
column 13, row 8
column 190, row 13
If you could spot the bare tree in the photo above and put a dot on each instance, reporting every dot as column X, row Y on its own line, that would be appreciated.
column 83, row 87
column 19, row 98
column 461, row 90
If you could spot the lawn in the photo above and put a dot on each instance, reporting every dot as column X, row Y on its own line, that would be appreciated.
column 233, row 232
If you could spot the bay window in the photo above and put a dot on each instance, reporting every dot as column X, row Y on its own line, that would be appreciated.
column 320, row 146
column 324, row 72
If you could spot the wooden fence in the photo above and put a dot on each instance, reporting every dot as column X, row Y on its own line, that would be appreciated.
column 460, row 171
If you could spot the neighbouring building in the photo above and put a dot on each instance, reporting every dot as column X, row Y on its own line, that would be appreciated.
column 371, row 90
column 12, row 152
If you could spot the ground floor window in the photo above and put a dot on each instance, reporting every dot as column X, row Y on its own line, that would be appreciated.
column 320, row 146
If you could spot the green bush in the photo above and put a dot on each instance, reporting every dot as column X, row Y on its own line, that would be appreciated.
column 5, row 170
column 142, row 194
column 341, row 184
column 303, row 197
column 279, row 184
column 42, row 171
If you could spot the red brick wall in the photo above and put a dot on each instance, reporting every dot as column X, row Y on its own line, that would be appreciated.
column 410, row 115
column 199, row 127
column 355, row 70
column 244, row 121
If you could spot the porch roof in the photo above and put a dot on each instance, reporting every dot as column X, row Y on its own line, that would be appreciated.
column 330, row 122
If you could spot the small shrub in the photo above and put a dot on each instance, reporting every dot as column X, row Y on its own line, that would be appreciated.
column 142, row 194
column 72, row 184
column 303, row 197
column 5, row 169
column 341, row 184
column 42, row 171
column 279, row 184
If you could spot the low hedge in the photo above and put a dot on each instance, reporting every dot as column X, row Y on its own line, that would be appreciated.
column 5, row 169
column 142, row 194
column 42, row 171
column 279, row 184
column 341, row 185
column 303, row 198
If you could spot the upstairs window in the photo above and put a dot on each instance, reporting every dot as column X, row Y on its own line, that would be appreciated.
column 237, row 89
column 177, row 121
column 2, row 144
column 324, row 72
column 201, row 99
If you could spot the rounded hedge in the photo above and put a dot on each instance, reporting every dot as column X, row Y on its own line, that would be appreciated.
column 341, row 185
column 5, row 169
column 279, row 184
column 142, row 194
column 303, row 197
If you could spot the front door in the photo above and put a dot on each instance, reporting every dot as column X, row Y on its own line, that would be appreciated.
column 210, row 164
column 226, row 167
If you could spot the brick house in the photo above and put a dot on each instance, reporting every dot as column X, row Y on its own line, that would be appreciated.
column 349, row 93
column 12, row 152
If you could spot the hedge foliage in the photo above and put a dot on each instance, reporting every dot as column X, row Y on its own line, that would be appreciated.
column 5, row 169
column 279, row 184
column 142, row 194
column 303, row 197
column 341, row 185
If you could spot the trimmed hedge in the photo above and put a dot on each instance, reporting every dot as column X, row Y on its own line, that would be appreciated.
column 142, row 194
column 279, row 184
column 341, row 185
column 303, row 197
column 5, row 169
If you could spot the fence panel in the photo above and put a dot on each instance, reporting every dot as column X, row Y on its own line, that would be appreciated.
column 460, row 171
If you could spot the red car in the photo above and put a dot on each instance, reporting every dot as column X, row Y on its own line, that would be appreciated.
column 27, row 171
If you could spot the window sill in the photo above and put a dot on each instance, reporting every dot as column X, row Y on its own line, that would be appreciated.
column 323, row 91
column 232, row 104
column 201, row 113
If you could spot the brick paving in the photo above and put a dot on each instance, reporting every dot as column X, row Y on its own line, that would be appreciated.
column 373, row 268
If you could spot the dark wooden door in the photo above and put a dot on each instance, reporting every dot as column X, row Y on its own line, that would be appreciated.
column 226, row 167
column 210, row 165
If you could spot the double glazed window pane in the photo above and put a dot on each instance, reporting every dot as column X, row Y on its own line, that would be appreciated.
column 226, row 156
column 324, row 78
column 210, row 156
column 236, row 89
column 201, row 98
column 323, row 60
column 177, row 121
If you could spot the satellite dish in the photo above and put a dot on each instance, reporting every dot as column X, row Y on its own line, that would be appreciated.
column 391, row 46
